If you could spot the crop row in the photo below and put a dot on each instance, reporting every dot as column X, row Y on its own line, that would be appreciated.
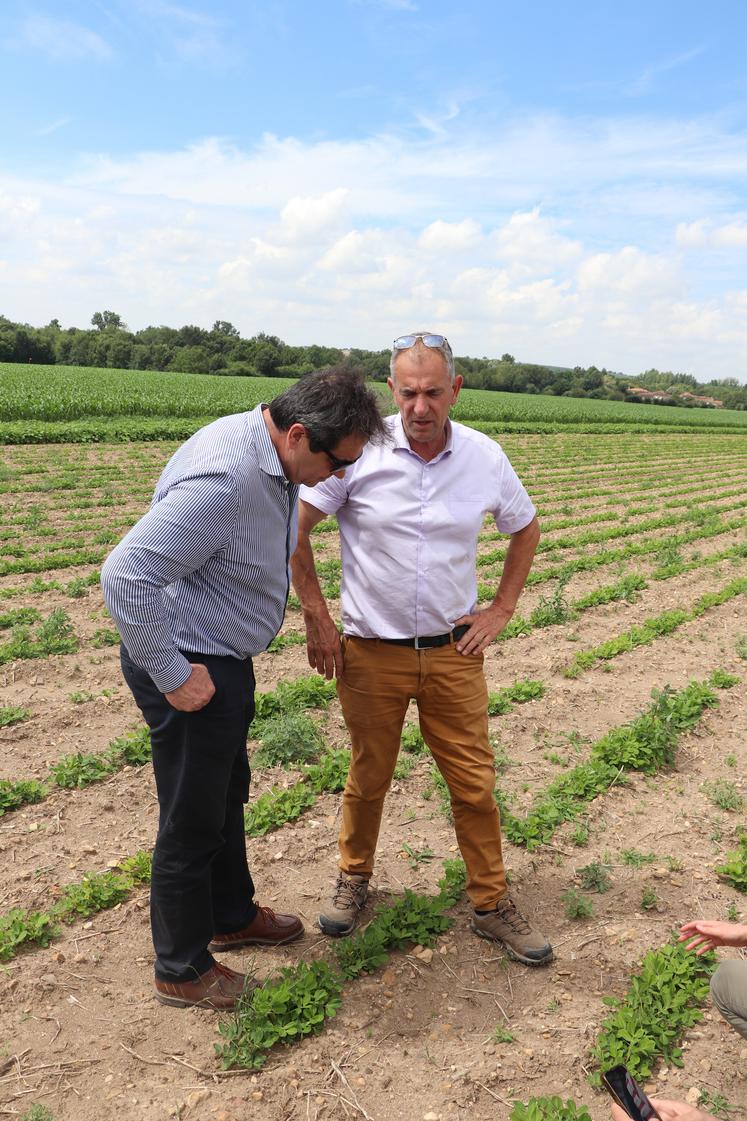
column 656, row 627
column 647, row 744
column 604, row 557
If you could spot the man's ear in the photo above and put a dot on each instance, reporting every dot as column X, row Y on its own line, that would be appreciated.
column 294, row 435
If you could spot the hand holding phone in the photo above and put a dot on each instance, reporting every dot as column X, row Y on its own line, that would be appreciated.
column 624, row 1089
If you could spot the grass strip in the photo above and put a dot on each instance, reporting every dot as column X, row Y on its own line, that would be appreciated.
column 598, row 536
column 277, row 807
column 522, row 691
column 95, row 892
column 662, row 1002
column 656, row 627
column 604, row 557
column 300, row 1000
column 78, row 770
column 53, row 635
column 646, row 744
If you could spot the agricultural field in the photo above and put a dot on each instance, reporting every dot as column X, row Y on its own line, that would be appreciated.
column 79, row 404
column 618, row 720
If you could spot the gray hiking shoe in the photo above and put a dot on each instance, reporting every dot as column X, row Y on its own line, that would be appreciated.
column 340, row 912
column 506, row 924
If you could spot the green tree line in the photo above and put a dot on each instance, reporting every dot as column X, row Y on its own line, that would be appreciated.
column 222, row 350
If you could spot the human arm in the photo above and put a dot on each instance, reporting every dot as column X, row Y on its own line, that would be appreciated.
column 487, row 624
column 706, row 934
column 668, row 1111
column 178, row 535
column 323, row 645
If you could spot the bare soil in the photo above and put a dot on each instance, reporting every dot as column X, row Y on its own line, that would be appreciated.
column 81, row 1031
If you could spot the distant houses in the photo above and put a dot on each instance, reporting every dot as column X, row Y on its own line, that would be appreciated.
column 710, row 402
column 659, row 397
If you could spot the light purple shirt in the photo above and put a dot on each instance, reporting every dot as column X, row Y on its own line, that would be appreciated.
column 409, row 529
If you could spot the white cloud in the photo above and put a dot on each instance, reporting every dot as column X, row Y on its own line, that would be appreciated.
column 62, row 39
column 442, row 236
column 353, row 241
column 703, row 234
column 629, row 273
column 309, row 219
column 532, row 244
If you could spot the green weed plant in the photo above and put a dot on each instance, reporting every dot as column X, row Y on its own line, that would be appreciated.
column 664, row 1000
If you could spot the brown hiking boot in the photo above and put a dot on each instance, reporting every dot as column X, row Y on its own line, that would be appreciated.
column 506, row 924
column 267, row 928
column 340, row 913
column 219, row 989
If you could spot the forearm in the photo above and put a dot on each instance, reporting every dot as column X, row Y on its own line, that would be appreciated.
column 305, row 579
column 518, row 562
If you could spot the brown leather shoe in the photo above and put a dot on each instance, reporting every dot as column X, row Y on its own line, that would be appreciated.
column 267, row 928
column 219, row 989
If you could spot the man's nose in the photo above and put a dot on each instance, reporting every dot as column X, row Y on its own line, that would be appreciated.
column 421, row 405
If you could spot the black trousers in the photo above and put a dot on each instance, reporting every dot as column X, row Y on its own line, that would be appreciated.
column 201, row 884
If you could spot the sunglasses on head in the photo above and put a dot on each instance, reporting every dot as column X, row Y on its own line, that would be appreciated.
column 335, row 462
column 434, row 342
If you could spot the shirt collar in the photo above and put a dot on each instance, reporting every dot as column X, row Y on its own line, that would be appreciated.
column 401, row 441
column 268, row 459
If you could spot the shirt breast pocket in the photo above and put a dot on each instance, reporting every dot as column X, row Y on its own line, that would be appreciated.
column 468, row 508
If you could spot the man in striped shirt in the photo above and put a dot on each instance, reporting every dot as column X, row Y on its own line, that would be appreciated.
column 197, row 588
column 409, row 514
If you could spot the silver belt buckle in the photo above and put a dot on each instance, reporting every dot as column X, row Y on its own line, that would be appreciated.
column 417, row 643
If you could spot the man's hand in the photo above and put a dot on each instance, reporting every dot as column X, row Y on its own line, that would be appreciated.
column 710, row 933
column 668, row 1111
column 485, row 626
column 195, row 692
column 323, row 645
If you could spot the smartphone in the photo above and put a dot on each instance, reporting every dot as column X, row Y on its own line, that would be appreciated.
column 628, row 1094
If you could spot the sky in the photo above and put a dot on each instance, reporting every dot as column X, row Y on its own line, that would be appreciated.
column 563, row 182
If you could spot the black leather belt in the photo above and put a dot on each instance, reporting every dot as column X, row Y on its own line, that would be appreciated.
column 426, row 642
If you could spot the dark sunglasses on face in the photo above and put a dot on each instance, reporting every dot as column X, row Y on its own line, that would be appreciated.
column 434, row 342
column 335, row 463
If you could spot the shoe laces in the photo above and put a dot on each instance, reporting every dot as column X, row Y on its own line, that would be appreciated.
column 224, row 971
column 267, row 914
column 348, row 893
column 512, row 916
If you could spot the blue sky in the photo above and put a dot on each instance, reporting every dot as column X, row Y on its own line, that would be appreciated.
column 564, row 182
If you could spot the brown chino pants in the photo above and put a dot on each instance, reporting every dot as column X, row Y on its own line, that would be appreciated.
column 377, row 684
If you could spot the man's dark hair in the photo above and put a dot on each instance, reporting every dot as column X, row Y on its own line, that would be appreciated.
column 331, row 404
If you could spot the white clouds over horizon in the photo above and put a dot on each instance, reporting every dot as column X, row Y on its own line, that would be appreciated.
column 566, row 241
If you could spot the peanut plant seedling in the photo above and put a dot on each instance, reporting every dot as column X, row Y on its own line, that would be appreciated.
column 664, row 999
column 734, row 868
column 299, row 1001
column 548, row 1109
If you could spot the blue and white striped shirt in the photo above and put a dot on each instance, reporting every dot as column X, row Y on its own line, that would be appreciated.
column 206, row 569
